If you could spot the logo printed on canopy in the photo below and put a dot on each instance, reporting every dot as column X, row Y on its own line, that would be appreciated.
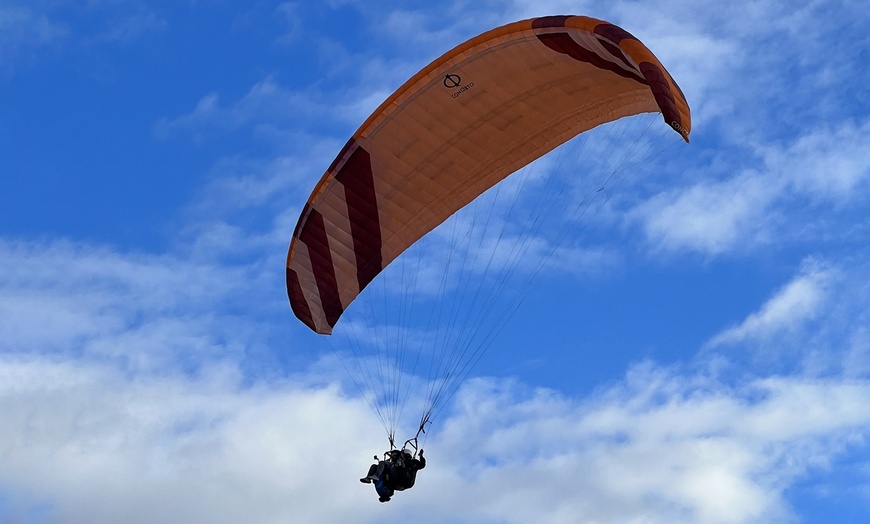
column 452, row 81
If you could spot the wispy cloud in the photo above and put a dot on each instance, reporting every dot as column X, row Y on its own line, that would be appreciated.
column 825, row 169
column 830, row 165
column 131, row 27
column 710, row 218
column 28, row 27
column 798, row 301
column 270, row 111
column 142, row 312
column 24, row 28
column 265, row 103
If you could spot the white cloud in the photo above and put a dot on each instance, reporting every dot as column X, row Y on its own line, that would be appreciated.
column 91, row 445
column 96, row 447
column 93, row 438
column 140, row 310
column 827, row 167
column 711, row 218
column 661, row 448
column 797, row 302
column 219, row 222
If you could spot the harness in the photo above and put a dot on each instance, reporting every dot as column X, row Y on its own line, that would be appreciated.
column 411, row 442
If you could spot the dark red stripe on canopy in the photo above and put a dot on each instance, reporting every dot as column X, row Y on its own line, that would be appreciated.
column 362, row 210
column 662, row 93
column 297, row 300
column 653, row 74
column 313, row 235
column 341, row 154
column 613, row 33
column 549, row 21
column 563, row 43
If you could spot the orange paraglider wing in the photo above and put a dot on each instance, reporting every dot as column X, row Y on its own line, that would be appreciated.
column 462, row 124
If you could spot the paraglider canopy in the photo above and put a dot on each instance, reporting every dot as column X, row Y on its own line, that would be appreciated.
column 459, row 126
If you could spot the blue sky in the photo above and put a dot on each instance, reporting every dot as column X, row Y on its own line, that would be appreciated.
column 697, row 353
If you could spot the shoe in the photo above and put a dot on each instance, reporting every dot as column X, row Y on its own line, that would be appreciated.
column 366, row 480
column 384, row 499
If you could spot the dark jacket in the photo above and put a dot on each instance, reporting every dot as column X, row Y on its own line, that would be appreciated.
column 406, row 468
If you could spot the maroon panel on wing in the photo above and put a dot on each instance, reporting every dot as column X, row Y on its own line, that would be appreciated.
column 362, row 209
column 549, row 21
column 314, row 236
column 298, row 301
column 563, row 43
column 662, row 92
